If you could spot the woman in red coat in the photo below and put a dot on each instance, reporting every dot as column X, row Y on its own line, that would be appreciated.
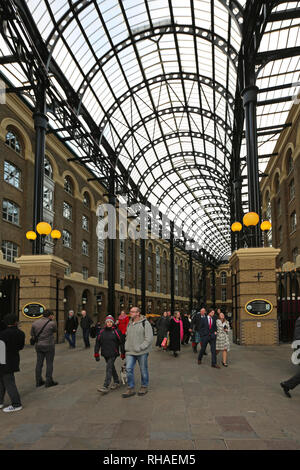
column 122, row 322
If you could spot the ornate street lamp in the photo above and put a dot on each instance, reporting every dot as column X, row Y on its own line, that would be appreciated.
column 43, row 229
column 250, row 220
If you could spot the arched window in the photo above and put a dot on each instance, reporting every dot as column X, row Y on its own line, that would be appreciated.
column 13, row 141
column 86, row 200
column 289, row 162
column 276, row 183
column 68, row 185
column 223, row 278
column 294, row 254
column 48, row 168
column 292, row 190
column 268, row 217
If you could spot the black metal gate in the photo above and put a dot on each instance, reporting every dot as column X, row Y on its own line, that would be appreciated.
column 288, row 304
column 9, row 296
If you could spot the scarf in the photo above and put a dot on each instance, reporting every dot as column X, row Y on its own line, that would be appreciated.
column 181, row 328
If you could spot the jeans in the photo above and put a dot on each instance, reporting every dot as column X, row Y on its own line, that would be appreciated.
column 41, row 356
column 143, row 363
column 86, row 336
column 111, row 371
column 72, row 341
column 8, row 384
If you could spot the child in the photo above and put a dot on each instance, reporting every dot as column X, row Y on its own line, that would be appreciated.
column 109, row 341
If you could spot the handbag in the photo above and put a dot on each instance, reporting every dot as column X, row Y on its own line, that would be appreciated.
column 34, row 339
column 164, row 342
column 93, row 332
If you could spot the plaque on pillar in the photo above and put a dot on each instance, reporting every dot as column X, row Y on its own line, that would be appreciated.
column 259, row 307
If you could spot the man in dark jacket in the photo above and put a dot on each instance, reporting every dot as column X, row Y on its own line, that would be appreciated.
column 208, row 334
column 186, row 329
column 295, row 380
column 71, row 328
column 108, row 341
column 14, row 340
column 44, row 328
column 85, row 324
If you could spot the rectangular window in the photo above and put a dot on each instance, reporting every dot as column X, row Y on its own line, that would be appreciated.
column 85, row 273
column 10, row 251
column 11, row 212
column 85, row 223
column 48, row 199
column 68, row 269
column 85, row 248
column 293, row 221
column 12, row 175
column 101, row 277
column 223, row 294
column 67, row 239
column 67, row 211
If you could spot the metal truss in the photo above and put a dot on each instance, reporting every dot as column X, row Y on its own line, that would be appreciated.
column 125, row 131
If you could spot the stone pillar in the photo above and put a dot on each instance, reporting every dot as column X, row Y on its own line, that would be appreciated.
column 255, row 271
column 42, row 281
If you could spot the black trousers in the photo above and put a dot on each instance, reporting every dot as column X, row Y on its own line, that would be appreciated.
column 43, row 354
column 211, row 339
column 293, row 381
column 8, row 384
column 111, row 371
column 86, row 337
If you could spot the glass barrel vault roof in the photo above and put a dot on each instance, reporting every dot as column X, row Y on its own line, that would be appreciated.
column 159, row 78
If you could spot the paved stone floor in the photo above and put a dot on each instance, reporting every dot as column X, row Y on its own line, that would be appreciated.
column 188, row 407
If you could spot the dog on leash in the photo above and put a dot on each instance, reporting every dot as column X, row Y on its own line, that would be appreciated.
column 123, row 374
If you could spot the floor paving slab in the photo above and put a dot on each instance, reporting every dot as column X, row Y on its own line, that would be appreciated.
column 187, row 407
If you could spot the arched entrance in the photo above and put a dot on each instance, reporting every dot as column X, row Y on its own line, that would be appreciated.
column 69, row 300
column 87, row 302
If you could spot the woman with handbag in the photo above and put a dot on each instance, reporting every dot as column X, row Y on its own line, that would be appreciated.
column 162, row 325
column 176, row 333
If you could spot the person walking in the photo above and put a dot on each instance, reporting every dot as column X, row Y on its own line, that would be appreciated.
column 14, row 341
column 122, row 322
column 195, row 329
column 85, row 324
column 291, row 383
column 176, row 333
column 71, row 326
column 44, row 330
column 138, row 345
column 222, row 342
column 208, row 333
column 109, row 342
column 186, row 329
column 162, row 329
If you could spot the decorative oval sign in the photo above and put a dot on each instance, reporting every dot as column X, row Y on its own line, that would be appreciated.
column 258, row 307
column 34, row 310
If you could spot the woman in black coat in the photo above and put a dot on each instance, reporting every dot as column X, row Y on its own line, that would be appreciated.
column 109, row 341
column 12, row 340
column 176, row 333
column 162, row 325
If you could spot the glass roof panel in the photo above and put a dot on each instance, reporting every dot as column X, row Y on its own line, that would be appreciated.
column 159, row 78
